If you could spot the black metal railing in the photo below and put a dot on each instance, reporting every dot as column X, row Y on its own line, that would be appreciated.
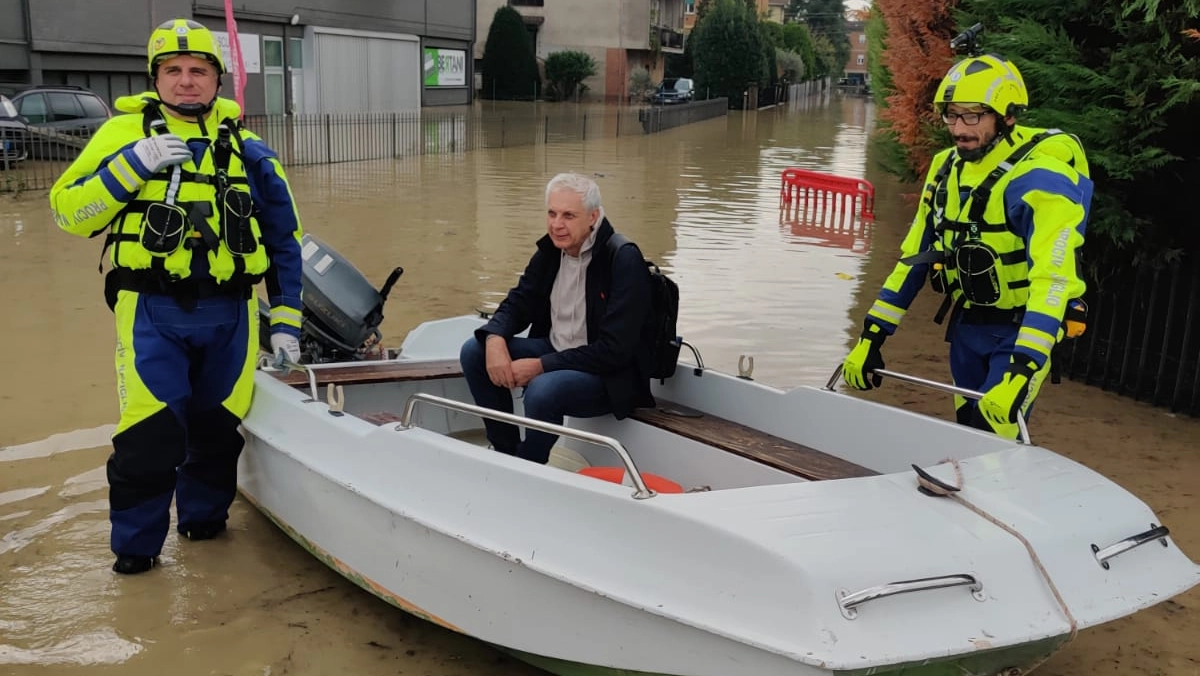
column 1143, row 337
column 34, row 160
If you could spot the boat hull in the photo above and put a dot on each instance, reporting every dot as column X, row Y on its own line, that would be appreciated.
column 298, row 500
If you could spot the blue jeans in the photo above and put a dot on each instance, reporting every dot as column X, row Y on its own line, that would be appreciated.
column 548, row 397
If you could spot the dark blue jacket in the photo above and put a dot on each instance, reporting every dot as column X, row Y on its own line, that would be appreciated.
column 618, row 312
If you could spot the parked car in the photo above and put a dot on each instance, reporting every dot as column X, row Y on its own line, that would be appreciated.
column 13, row 133
column 53, row 110
column 674, row 90
column 64, row 108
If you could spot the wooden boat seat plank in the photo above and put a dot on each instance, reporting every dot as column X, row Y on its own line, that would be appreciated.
column 377, row 372
column 750, row 443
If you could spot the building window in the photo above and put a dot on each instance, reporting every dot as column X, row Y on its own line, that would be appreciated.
column 862, row 60
column 689, row 6
column 862, row 38
column 273, row 87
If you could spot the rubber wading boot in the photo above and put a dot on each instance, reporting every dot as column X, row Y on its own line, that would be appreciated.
column 202, row 531
column 128, row 564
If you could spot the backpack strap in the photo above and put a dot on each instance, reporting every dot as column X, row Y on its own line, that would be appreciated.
column 615, row 242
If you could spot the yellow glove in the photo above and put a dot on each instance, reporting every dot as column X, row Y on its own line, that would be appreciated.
column 864, row 359
column 1001, row 404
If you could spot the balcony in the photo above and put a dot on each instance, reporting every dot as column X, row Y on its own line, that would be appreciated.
column 669, row 40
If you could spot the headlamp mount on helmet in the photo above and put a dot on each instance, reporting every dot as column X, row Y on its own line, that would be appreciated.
column 967, row 43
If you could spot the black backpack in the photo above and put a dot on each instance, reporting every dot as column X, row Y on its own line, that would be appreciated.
column 664, row 311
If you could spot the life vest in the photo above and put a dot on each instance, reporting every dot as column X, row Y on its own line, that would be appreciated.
column 192, row 208
column 978, row 262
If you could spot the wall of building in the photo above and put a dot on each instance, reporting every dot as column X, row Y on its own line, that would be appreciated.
column 613, row 31
column 101, row 44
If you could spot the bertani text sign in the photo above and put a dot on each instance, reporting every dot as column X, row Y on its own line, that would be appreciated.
column 445, row 67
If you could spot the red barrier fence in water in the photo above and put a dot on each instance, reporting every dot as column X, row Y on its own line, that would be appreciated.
column 829, row 192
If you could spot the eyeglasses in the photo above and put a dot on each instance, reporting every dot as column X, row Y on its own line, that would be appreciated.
column 969, row 119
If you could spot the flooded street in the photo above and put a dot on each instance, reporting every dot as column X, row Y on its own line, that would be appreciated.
column 701, row 200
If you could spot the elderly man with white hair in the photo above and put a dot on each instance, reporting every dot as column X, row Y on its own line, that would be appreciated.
column 587, row 309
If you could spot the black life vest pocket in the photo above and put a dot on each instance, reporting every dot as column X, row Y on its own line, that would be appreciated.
column 163, row 228
column 978, row 268
column 236, row 210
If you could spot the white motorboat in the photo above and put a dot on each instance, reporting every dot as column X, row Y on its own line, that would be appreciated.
column 802, row 542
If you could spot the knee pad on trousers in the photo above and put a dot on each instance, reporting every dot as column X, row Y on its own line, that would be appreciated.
column 144, row 459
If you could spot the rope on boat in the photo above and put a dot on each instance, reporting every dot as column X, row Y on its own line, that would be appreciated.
column 932, row 486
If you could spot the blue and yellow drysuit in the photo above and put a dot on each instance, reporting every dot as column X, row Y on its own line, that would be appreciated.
column 1000, row 236
column 186, row 315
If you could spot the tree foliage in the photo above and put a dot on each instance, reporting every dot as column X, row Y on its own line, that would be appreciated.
column 824, row 18
column 791, row 65
column 1125, row 78
column 729, row 52
column 1123, row 75
column 509, row 65
column 565, row 73
column 702, row 7
column 916, row 54
column 796, row 38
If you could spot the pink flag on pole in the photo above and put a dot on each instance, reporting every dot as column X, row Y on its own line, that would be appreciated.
column 237, row 69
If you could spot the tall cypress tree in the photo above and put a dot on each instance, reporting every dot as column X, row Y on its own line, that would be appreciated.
column 729, row 50
column 509, row 65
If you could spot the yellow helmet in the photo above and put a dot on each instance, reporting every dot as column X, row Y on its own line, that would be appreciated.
column 986, row 79
column 182, row 36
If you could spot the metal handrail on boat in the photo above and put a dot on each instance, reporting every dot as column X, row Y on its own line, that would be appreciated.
column 849, row 602
column 281, row 362
column 933, row 384
column 631, row 469
column 1156, row 532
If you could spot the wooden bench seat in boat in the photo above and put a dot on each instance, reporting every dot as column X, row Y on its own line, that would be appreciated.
column 748, row 442
column 377, row 372
column 705, row 428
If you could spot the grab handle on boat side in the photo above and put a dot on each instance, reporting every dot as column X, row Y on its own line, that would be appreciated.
column 631, row 470
column 848, row 603
column 933, row 384
column 1156, row 532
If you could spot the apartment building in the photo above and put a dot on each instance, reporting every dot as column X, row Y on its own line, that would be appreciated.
column 324, row 56
column 856, row 66
column 620, row 35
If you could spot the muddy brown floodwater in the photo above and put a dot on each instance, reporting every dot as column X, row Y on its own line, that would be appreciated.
column 701, row 200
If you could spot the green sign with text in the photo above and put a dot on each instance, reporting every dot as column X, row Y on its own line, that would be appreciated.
column 445, row 67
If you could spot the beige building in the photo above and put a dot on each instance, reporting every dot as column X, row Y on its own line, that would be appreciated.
column 777, row 10
column 621, row 35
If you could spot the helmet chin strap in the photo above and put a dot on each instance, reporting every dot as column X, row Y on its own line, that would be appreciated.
column 976, row 154
column 196, row 110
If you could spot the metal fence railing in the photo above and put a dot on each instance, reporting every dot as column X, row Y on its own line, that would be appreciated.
column 658, row 118
column 1143, row 337
column 35, row 159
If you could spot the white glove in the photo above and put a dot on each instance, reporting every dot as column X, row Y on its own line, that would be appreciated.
column 288, row 343
column 164, row 150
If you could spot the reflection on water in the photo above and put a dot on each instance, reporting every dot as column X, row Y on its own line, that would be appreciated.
column 702, row 201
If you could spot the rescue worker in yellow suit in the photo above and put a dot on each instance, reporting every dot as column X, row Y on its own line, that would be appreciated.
column 198, row 211
column 998, row 230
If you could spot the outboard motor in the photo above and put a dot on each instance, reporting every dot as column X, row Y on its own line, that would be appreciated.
column 342, row 311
